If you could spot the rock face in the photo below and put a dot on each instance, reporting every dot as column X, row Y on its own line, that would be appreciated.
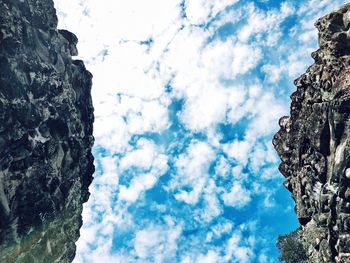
column 46, row 118
column 314, row 144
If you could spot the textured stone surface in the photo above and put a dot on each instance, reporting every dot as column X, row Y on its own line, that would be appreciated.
column 314, row 144
column 46, row 118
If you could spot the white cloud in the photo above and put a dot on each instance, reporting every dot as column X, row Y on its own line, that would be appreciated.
column 192, row 170
column 263, row 153
column 156, row 244
column 138, row 185
column 238, row 150
column 219, row 229
column 134, row 48
column 245, row 58
column 273, row 72
column 265, row 121
column 148, row 157
column 210, row 257
column 199, row 11
column 198, row 116
column 212, row 205
column 111, row 133
column 142, row 157
column 238, row 196
column 222, row 167
column 142, row 18
column 236, row 251
column 264, row 26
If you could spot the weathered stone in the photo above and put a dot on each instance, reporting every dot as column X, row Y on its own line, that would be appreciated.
column 314, row 144
column 46, row 118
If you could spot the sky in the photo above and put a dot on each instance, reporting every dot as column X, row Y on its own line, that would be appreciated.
column 187, row 97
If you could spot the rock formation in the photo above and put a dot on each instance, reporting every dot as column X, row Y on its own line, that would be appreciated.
column 314, row 144
column 46, row 118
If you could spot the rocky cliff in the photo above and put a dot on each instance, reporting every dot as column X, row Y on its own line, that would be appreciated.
column 46, row 118
column 314, row 144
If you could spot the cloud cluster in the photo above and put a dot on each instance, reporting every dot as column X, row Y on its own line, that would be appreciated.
column 187, row 94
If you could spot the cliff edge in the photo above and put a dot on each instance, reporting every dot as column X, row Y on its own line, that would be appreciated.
column 314, row 144
column 46, row 118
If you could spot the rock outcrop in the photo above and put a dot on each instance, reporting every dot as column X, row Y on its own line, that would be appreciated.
column 46, row 118
column 314, row 144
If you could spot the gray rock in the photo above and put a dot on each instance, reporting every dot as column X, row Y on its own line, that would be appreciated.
column 314, row 144
column 46, row 117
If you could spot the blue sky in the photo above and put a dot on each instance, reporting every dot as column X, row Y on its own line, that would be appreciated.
column 187, row 97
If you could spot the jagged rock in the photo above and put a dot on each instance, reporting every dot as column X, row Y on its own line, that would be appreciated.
column 314, row 144
column 46, row 118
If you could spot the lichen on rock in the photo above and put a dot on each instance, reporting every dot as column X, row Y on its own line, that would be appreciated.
column 314, row 144
column 46, row 118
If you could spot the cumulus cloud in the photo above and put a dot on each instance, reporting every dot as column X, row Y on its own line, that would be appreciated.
column 187, row 95
column 199, row 12
column 245, row 58
column 192, row 171
column 238, row 196
column 239, row 253
column 156, row 244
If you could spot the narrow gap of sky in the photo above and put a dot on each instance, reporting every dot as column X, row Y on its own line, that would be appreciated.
column 187, row 97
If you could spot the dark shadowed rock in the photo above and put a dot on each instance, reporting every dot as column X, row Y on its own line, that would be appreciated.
column 46, row 118
column 314, row 144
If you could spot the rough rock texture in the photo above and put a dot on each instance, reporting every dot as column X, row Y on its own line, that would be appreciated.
column 314, row 144
column 46, row 118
